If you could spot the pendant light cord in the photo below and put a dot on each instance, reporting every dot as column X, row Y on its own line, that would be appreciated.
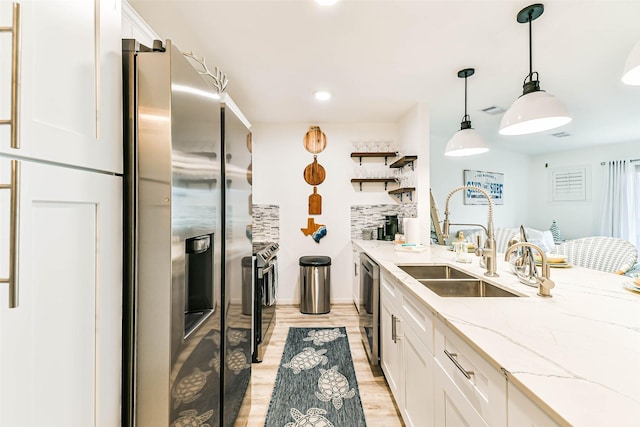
column 466, row 116
column 530, row 49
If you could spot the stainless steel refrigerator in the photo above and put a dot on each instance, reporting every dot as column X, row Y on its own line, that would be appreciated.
column 187, row 345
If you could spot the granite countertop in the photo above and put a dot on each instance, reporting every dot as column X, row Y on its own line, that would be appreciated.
column 577, row 353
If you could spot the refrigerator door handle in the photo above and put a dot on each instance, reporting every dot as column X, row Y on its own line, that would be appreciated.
column 14, row 237
column 14, row 29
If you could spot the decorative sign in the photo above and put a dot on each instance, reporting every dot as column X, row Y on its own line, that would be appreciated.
column 491, row 182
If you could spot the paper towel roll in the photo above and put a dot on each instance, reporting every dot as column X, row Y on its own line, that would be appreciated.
column 412, row 230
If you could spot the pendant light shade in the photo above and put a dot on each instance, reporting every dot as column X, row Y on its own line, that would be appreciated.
column 467, row 141
column 536, row 110
column 631, row 74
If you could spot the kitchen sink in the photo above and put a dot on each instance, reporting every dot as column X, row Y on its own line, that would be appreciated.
column 426, row 272
column 448, row 281
column 465, row 288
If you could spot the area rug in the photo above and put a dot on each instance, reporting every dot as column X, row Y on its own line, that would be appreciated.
column 316, row 382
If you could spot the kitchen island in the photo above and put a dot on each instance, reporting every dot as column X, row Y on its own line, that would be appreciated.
column 576, row 355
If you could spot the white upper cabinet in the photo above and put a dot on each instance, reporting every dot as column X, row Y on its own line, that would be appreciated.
column 69, row 82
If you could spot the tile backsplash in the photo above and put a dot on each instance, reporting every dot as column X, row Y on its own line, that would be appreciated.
column 369, row 216
column 266, row 223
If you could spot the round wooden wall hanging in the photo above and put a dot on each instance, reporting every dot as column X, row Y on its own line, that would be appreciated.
column 314, row 173
column 315, row 140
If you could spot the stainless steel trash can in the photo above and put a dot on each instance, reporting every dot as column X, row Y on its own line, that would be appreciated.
column 315, row 284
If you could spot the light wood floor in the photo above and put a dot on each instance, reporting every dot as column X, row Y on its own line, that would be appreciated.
column 379, row 407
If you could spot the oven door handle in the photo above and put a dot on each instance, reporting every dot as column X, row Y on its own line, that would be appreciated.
column 263, row 271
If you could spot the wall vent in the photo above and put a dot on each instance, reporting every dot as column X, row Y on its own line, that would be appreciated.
column 494, row 110
column 569, row 184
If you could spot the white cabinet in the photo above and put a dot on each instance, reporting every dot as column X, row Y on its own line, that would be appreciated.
column 390, row 345
column 417, row 407
column 468, row 391
column 60, row 349
column 70, row 91
column 522, row 412
column 355, row 278
column 406, row 338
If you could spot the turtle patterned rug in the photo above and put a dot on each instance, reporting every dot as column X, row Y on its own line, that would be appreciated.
column 316, row 382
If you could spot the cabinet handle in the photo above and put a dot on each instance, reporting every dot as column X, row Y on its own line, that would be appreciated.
column 14, row 29
column 393, row 329
column 12, row 280
column 452, row 357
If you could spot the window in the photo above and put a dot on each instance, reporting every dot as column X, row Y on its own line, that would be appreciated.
column 569, row 184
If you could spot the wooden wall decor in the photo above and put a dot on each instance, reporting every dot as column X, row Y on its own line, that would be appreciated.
column 314, row 141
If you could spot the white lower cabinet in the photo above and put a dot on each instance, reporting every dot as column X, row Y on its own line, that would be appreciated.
column 355, row 278
column 417, row 407
column 60, row 348
column 406, row 357
column 522, row 412
column 390, row 346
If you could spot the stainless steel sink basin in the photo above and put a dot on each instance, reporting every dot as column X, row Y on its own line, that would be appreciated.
column 448, row 281
column 426, row 272
column 465, row 288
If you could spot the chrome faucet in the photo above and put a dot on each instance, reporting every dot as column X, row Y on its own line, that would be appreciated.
column 488, row 252
column 545, row 284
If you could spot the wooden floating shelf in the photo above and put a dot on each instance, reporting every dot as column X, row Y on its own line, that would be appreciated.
column 374, row 154
column 385, row 154
column 399, row 192
column 402, row 161
column 361, row 180
column 402, row 190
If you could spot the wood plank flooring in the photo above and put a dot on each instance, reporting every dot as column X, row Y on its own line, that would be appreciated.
column 379, row 407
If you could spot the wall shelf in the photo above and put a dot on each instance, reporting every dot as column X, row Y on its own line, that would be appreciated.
column 399, row 192
column 361, row 180
column 384, row 154
column 403, row 161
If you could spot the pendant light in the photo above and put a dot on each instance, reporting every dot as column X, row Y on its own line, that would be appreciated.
column 536, row 110
column 631, row 74
column 467, row 141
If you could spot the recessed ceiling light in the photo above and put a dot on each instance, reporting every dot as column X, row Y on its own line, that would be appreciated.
column 326, row 2
column 322, row 95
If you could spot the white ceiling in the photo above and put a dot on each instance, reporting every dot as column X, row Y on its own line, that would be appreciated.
column 380, row 58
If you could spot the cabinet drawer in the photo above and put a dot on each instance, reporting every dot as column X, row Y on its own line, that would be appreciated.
column 481, row 384
column 390, row 289
column 419, row 318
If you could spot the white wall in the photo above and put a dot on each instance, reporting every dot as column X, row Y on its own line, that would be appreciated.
column 279, row 162
column 447, row 174
column 414, row 138
column 575, row 219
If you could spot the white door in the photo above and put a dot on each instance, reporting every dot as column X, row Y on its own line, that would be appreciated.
column 417, row 409
column 60, row 349
column 70, row 90
column 390, row 348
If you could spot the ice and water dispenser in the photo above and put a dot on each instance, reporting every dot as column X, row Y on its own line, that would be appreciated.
column 199, row 296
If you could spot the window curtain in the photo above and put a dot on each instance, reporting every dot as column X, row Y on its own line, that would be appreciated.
column 619, row 211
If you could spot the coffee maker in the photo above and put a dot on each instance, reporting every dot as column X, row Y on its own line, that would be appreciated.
column 390, row 226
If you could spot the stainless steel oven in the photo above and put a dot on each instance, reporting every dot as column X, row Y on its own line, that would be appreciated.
column 370, row 307
column 265, row 295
